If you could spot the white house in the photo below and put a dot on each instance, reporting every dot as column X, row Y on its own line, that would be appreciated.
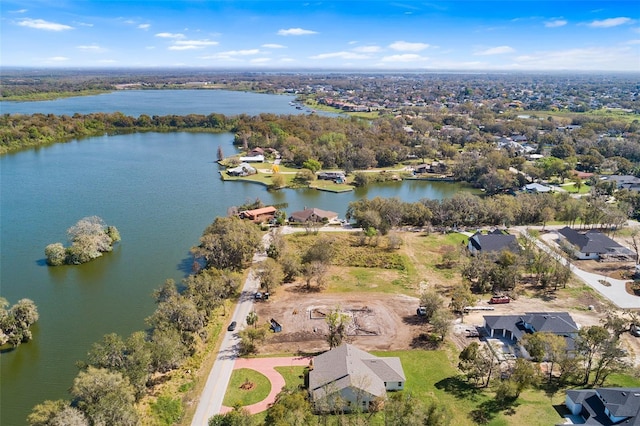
column 347, row 378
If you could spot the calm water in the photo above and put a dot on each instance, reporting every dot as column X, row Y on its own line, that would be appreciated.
column 161, row 102
column 161, row 191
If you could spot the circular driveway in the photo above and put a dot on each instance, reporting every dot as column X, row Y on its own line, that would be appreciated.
column 267, row 366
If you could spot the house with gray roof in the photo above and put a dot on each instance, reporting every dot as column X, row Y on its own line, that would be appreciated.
column 493, row 242
column 515, row 327
column 604, row 406
column 629, row 182
column 347, row 379
column 592, row 245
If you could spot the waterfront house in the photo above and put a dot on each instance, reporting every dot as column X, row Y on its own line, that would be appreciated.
column 313, row 215
column 260, row 215
column 243, row 169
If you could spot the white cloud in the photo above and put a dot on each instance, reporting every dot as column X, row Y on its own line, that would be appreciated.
column 555, row 23
column 84, row 24
column 406, row 57
column 90, row 48
column 192, row 44
column 57, row 59
column 342, row 55
column 295, row 32
column 107, row 61
column 19, row 11
column 611, row 22
column 260, row 60
column 170, row 35
column 273, row 46
column 144, row 26
column 499, row 50
column 367, row 49
column 41, row 24
column 633, row 42
column 246, row 52
column 405, row 46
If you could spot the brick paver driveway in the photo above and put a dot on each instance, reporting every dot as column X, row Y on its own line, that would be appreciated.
column 266, row 367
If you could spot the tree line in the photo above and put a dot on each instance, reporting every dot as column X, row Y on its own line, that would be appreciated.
column 465, row 210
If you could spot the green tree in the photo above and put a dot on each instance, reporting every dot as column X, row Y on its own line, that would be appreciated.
column 167, row 410
column 312, row 164
column 42, row 414
column 305, row 176
column 237, row 417
column 590, row 342
column 337, row 324
column 270, row 274
column 90, row 237
column 16, row 321
column 278, row 181
column 290, row 408
column 441, row 322
column 432, row 302
column 252, row 318
column 56, row 254
column 228, row 243
column 106, row 397
column 461, row 297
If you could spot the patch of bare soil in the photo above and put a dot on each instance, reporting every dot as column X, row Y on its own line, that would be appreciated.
column 377, row 321
column 247, row 385
column 616, row 270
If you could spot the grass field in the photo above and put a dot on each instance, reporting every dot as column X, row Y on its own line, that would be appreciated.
column 237, row 396
column 366, row 268
column 601, row 113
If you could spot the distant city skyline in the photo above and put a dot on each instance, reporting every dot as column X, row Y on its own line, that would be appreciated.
column 338, row 35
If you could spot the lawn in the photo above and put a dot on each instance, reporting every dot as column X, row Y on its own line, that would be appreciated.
column 236, row 395
column 359, row 268
column 431, row 376
column 571, row 188
column 293, row 375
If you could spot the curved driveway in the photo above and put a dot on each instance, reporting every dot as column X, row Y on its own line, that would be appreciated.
column 267, row 366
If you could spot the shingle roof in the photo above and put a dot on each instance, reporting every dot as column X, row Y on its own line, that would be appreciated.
column 348, row 366
column 494, row 242
column 304, row 215
column 560, row 323
column 591, row 241
column 621, row 402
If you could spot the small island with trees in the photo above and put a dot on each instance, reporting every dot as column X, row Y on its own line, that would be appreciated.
column 90, row 237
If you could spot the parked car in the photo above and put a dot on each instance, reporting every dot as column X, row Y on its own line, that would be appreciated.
column 635, row 330
column 232, row 326
column 421, row 311
column 495, row 300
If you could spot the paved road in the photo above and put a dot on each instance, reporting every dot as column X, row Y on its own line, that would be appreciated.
column 211, row 399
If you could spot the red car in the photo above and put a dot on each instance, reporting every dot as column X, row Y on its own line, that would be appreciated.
column 495, row 300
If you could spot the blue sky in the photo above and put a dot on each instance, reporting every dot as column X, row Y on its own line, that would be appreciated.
column 278, row 34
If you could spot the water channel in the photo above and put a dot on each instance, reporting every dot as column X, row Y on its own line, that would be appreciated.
column 160, row 190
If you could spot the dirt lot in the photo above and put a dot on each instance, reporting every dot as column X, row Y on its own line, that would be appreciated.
column 380, row 321
column 389, row 322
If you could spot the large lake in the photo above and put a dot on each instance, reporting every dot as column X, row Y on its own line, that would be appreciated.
column 161, row 190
